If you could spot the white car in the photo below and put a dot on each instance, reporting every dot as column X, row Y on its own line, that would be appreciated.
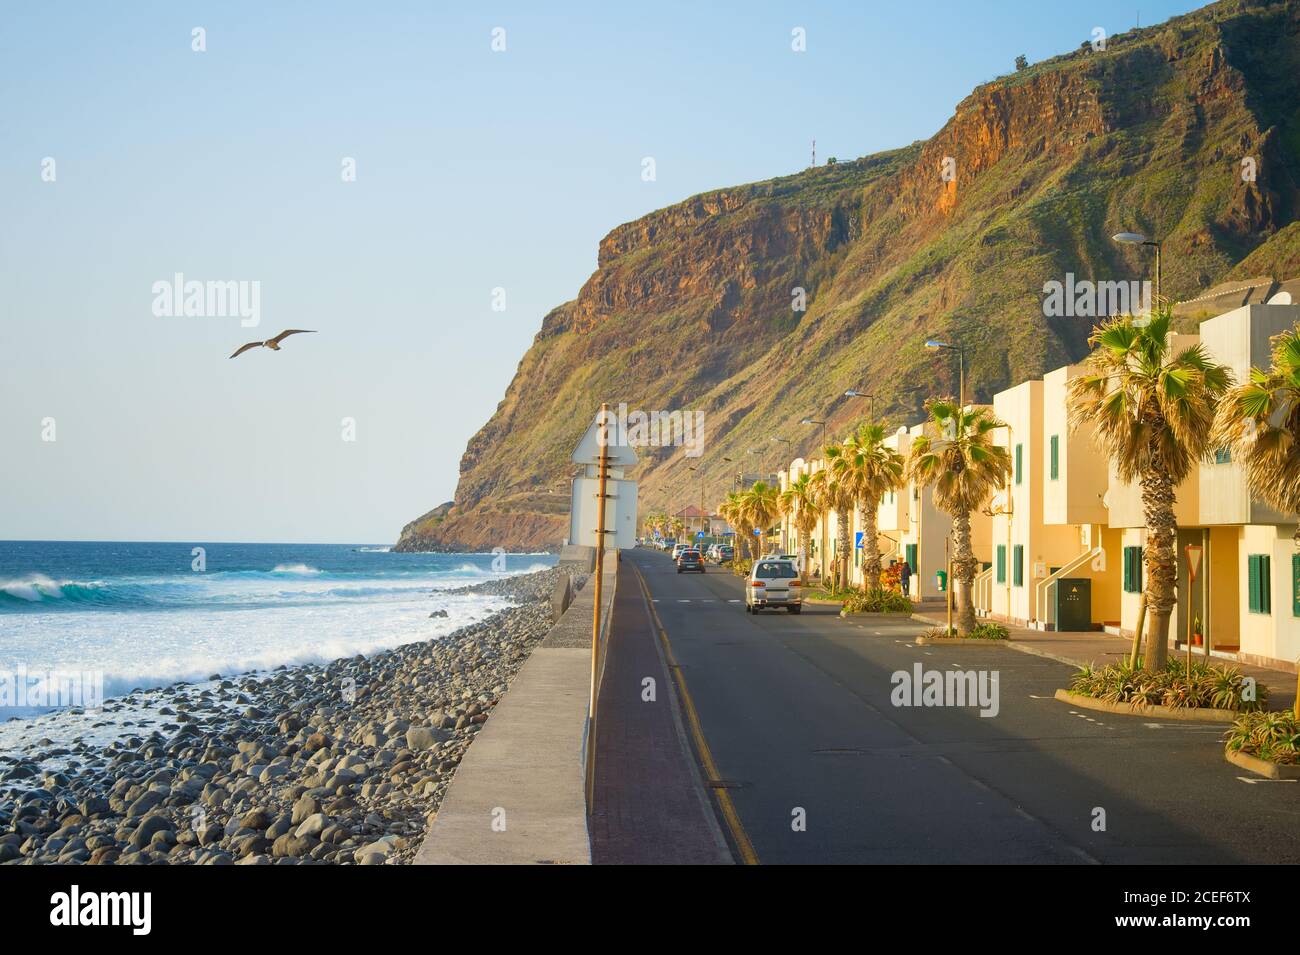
column 678, row 548
column 773, row 582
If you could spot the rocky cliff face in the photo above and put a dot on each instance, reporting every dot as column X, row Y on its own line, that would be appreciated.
column 691, row 307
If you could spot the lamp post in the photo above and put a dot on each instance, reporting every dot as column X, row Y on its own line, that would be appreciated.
column 704, row 514
column 871, row 399
column 1137, row 238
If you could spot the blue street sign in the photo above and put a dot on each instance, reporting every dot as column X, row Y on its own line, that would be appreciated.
column 757, row 532
column 699, row 535
column 857, row 541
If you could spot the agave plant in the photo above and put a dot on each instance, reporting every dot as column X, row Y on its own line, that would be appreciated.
column 1271, row 736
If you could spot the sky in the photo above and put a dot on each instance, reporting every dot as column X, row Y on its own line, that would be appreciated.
column 484, row 181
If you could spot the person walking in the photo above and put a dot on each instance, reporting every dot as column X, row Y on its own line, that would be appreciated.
column 905, row 578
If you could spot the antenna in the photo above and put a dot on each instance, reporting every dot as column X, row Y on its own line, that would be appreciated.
column 814, row 162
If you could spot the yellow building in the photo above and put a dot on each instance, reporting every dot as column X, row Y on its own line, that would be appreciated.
column 1063, row 545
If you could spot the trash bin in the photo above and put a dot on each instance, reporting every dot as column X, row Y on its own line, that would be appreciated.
column 941, row 581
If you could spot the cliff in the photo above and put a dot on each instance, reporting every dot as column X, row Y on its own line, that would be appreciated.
column 690, row 307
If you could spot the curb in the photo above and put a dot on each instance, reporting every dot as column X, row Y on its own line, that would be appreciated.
column 1261, row 766
column 823, row 603
column 960, row 641
column 1191, row 714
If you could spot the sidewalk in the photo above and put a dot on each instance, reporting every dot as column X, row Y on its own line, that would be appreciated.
column 517, row 796
column 649, row 804
column 1100, row 649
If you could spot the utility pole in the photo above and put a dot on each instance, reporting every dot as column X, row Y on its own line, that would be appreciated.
column 602, row 468
column 814, row 154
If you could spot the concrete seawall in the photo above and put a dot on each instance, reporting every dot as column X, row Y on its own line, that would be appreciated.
column 518, row 796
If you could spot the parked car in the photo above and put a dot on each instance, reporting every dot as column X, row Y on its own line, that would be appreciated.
column 690, row 559
column 725, row 553
column 773, row 582
column 678, row 548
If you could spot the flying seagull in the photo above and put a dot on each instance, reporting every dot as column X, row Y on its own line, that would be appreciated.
column 273, row 343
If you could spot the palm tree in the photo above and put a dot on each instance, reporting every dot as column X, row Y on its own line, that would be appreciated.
column 798, row 500
column 761, row 506
column 964, row 467
column 733, row 511
column 833, row 493
column 675, row 528
column 1259, row 422
column 1152, row 409
column 872, row 470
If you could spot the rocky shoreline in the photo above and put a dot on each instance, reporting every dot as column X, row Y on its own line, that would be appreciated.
column 341, row 763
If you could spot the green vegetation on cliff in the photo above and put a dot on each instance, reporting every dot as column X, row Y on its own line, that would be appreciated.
column 690, row 306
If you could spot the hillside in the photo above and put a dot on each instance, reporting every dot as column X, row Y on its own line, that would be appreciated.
column 690, row 306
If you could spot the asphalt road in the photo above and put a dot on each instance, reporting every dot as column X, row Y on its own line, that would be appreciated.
column 798, row 715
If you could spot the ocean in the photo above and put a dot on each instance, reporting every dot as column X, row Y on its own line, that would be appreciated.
column 149, row 614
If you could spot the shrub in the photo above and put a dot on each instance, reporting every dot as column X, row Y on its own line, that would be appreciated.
column 1271, row 736
column 989, row 631
column 876, row 601
column 1175, row 686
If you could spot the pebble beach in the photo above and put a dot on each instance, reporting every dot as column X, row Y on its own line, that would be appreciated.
column 340, row 763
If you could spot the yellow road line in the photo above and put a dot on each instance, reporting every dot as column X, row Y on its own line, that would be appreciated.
column 725, row 803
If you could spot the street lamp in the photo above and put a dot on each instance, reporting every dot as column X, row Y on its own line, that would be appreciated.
column 816, row 421
column 704, row 514
column 935, row 345
column 871, row 399
column 1137, row 238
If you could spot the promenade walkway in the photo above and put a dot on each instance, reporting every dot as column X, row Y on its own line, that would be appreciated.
column 650, row 804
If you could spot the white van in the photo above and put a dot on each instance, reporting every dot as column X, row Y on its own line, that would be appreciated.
column 773, row 582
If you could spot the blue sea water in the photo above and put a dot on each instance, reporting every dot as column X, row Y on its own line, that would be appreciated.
column 141, row 615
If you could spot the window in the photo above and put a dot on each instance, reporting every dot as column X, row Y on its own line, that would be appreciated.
column 1132, row 570
column 1056, row 456
column 1020, row 454
column 1002, row 564
column 1018, row 565
column 1295, row 585
column 1258, row 585
column 1223, row 456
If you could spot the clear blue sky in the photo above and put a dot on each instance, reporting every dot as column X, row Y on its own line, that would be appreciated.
column 475, row 170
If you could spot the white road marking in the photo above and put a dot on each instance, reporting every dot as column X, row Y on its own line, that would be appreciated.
column 1035, row 696
column 1247, row 779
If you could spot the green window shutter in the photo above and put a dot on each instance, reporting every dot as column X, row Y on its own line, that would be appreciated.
column 1020, row 454
column 1002, row 564
column 1252, row 583
column 1018, row 565
column 1056, row 456
column 1259, row 584
column 911, row 558
column 1266, row 582
column 1295, row 585
column 1132, row 570
column 1223, row 456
